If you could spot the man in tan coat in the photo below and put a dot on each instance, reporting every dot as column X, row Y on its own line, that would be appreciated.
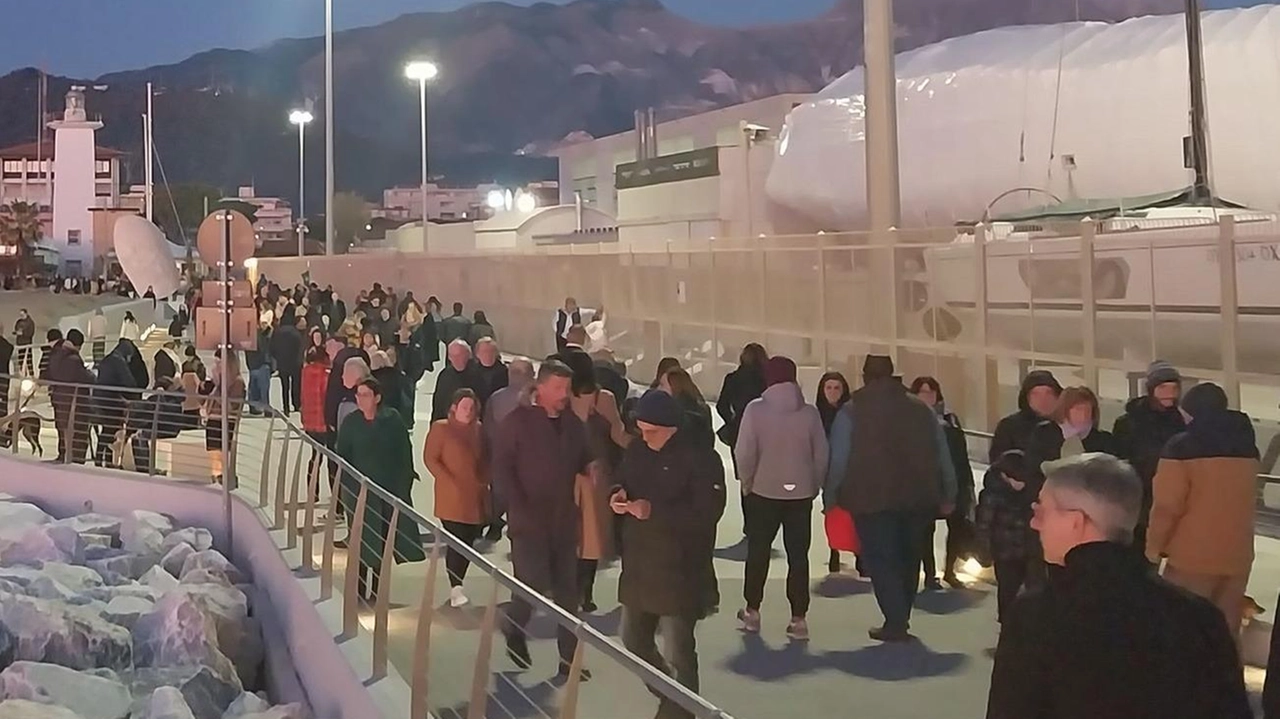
column 1205, row 495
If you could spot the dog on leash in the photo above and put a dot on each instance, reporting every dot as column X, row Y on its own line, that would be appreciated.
column 28, row 424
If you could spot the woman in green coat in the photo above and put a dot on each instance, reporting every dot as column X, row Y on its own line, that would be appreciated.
column 375, row 441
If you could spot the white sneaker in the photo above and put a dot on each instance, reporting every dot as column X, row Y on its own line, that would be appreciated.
column 457, row 598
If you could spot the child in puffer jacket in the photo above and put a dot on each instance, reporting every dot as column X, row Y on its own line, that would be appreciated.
column 1010, row 487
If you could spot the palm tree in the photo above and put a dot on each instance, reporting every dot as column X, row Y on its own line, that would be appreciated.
column 20, row 229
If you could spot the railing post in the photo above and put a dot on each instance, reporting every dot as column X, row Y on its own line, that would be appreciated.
column 154, row 441
column 351, row 582
column 480, row 678
column 987, row 408
column 420, row 682
column 1088, row 305
column 68, row 452
column 1230, row 303
column 382, row 603
column 264, row 480
column 569, row 703
column 326, row 554
column 293, row 502
column 280, row 472
column 309, row 514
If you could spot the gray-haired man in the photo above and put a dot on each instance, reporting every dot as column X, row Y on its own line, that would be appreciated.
column 1107, row 638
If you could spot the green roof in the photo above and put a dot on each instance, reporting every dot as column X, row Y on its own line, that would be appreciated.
column 1100, row 209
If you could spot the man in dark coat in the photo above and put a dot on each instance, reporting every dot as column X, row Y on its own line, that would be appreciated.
column 1106, row 638
column 455, row 326
column 122, row 368
column 24, row 333
column 1029, row 429
column 286, row 352
column 1141, row 433
column 458, row 373
column 670, row 494
column 541, row 449
column 72, row 405
column 334, row 395
column 490, row 371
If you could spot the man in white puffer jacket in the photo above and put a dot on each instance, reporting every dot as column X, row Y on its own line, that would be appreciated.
column 782, row 462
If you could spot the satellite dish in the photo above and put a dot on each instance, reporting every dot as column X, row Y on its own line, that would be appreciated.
column 144, row 255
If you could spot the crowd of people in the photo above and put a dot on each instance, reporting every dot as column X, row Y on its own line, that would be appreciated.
column 1111, row 549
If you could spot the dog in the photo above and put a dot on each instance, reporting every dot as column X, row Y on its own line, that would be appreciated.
column 28, row 423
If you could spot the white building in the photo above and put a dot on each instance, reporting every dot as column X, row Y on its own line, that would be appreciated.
column 67, row 178
column 443, row 203
column 274, row 215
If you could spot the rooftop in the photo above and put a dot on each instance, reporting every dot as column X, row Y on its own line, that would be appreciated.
column 32, row 150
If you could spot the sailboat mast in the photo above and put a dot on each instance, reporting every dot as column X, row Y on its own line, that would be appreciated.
column 1202, row 188
column 147, row 140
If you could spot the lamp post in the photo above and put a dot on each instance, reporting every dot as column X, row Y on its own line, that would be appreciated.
column 301, row 118
column 423, row 72
column 328, row 127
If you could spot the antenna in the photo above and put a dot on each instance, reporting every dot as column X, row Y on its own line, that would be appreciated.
column 1201, row 188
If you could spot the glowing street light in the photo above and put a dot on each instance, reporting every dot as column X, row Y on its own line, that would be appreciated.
column 423, row 72
column 301, row 118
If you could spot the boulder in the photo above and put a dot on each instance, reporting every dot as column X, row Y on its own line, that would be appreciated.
column 59, row 633
column 8, row 646
column 115, row 566
column 213, row 561
column 207, row 694
column 131, row 589
column 283, row 711
column 165, row 703
column 159, row 580
column 239, row 636
column 96, row 540
column 93, row 523
column 179, row 632
column 35, row 544
column 198, row 538
column 143, row 532
column 91, row 695
column 246, row 704
column 20, row 514
column 125, row 610
column 23, row 709
column 175, row 557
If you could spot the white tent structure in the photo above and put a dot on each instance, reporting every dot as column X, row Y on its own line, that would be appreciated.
column 1078, row 110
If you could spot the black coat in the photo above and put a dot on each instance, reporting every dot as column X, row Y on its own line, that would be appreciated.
column 1024, row 429
column 608, row 377
column 958, row 448
column 1141, row 434
column 666, row 559
column 489, row 380
column 336, row 391
column 740, row 387
column 1107, row 639
column 392, row 383
column 116, row 371
column 448, row 382
column 286, row 347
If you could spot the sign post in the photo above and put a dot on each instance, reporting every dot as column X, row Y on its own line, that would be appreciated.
column 227, row 235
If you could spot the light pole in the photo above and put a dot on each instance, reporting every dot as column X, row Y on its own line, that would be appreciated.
column 423, row 72
column 301, row 118
column 328, row 127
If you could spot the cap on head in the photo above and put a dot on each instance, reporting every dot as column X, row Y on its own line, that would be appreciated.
column 779, row 370
column 877, row 367
column 1160, row 372
column 1204, row 399
column 658, row 409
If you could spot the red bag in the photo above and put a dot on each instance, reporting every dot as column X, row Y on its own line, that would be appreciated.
column 842, row 536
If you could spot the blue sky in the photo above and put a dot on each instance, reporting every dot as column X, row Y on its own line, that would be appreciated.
column 90, row 37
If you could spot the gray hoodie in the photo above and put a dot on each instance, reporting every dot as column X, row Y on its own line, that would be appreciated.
column 782, row 447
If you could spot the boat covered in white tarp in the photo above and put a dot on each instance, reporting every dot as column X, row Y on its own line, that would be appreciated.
column 1081, row 109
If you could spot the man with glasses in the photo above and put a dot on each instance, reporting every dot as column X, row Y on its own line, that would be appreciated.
column 1107, row 638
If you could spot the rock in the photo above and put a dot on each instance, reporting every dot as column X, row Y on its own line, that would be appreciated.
column 165, row 703
column 213, row 561
column 93, row 523
column 159, row 580
column 38, row 543
column 175, row 557
column 283, row 711
column 179, row 632
column 131, row 589
column 21, row 514
column 246, row 704
column 23, row 709
column 92, row 696
column 125, row 610
column 198, row 538
column 115, row 566
column 96, row 540
column 239, row 635
column 206, row 576
column 143, row 532
column 59, row 633
column 207, row 694
column 53, row 580
column 8, row 646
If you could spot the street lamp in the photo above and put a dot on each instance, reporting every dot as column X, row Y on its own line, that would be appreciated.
column 301, row 118
column 328, row 128
column 423, row 72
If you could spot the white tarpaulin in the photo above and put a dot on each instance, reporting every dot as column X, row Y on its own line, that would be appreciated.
column 977, row 117
column 144, row 255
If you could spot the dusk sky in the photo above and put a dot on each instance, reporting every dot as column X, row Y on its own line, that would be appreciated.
column 90, row 37
column 86, row 38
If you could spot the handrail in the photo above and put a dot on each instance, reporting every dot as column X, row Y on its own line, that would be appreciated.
column 656, row 680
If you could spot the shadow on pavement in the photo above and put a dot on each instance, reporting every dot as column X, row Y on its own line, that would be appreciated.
column 737, row 552
column 949, row 601
column 508, row 697
column 888, row 662
column 838, row 586
column 607, row 623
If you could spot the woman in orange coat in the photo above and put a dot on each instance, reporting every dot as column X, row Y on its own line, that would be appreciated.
column 453, row 454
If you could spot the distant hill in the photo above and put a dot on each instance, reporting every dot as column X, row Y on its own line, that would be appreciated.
column 514, row 80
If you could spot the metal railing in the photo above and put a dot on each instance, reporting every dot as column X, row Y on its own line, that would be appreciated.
column 444, row 654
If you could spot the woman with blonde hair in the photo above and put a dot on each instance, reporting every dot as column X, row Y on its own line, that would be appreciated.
column 453, row 454
column 1077, row 415
column 212, row 411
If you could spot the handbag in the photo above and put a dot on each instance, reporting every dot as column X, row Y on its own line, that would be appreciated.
column 842, row 536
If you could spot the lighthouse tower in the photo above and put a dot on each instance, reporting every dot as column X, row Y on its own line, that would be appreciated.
column 74, row 184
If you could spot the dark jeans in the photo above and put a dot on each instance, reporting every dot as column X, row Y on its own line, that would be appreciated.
column 291, row 389
column 640, row 629
column 1014, row 574
column 259, row 389
column 763, row 518
column 316, row 457
column 331, row 441
column 892, row 544
column 456, row 564
column 928, row 562
column 587, row 569
column 550, row 567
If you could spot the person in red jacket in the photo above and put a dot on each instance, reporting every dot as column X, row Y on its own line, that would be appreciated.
column 315, row 382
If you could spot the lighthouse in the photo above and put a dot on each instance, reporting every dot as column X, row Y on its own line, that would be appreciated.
column 75, row 171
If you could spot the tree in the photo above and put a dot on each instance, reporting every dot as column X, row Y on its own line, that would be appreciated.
column 189, row 201
column 20, row 228
column 350, row 214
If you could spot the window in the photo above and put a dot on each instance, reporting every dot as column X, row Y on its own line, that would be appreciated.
column 13, row 166
column 103, row 167
column 73, row 237
column 73, row 268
